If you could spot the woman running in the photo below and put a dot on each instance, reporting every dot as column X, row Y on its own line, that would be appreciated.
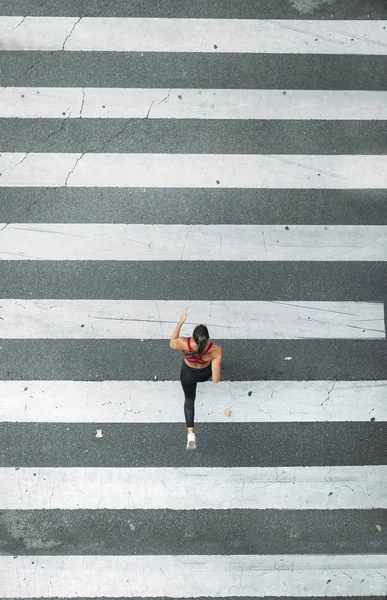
column 201, row 360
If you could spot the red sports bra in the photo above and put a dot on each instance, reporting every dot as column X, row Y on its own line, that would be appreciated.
column 198, row 357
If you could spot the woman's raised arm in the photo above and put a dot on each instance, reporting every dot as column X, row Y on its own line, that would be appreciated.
column 174, row 343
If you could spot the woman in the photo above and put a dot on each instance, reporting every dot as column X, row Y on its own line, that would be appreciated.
column 201, row 360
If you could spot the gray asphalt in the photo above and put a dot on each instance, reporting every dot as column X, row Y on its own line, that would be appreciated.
column 195, row 207
column 219, row 445
column 186, row 136
column 181, row 532
column 244, row 360
column 171, row 280
column 196, row 70
column 220, row 9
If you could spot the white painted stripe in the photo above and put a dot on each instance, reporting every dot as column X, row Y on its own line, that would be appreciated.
column 283, row 488
column 149, row 319
column 138, row 103
column 193, row 170
column 211, row 575
column 134, row 401
column 193, row 35
column 53, row 241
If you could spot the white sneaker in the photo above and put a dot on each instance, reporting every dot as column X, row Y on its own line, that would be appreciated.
column 191, row 441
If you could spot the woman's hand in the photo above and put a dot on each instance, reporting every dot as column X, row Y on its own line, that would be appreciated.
column 183, row 316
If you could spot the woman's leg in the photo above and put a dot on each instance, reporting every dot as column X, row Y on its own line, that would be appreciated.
column 204, row 374
column 189, row 379
column 188, row 382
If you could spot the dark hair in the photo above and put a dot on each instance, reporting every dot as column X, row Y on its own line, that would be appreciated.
column 201, row 337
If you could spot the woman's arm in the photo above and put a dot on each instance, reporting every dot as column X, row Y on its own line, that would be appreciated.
column 174, row 343
column 215, row 364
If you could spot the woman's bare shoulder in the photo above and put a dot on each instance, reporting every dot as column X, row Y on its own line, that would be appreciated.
column 183, row 343
column 179, row 343
column 216, row 349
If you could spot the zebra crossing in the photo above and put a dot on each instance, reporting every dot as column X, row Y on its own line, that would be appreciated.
column 191, row 35
column 230, row 156
column 101, row 103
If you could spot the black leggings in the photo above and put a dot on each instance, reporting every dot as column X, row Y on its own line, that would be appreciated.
column 189, row 378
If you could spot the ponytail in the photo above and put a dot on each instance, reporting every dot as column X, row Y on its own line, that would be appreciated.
column 202, row 343
column 201, row 337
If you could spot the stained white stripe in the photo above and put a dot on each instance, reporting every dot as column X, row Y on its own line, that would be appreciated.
column 193, row 35
column 291, row 488
column 53, row 241
column 134, row 401
column 138, row 103
column 149, row 319
column 193, row 170
column 211, row 575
